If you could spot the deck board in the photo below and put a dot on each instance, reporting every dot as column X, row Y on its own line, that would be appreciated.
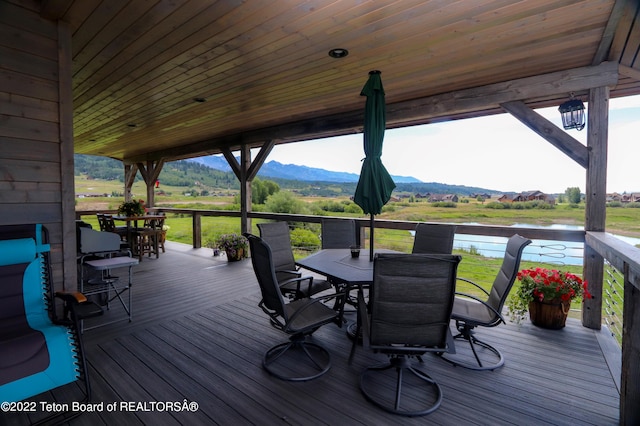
column 198, row 335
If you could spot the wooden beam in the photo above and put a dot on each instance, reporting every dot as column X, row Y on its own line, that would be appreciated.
column 54, row 9
column 130, row 171
column 630, row 72
column 260, row 159
column 602, row 54
column 493, row 95
column 233, row 163
column 417, row 111
column 545, row 128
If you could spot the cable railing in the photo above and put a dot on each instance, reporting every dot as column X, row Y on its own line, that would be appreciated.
column 613, row 300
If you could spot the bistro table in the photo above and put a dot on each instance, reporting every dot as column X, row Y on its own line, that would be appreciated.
column 134, row 219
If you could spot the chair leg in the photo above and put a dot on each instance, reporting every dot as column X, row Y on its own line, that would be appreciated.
column 466, row 333
column 297, row 347
column 394, row 403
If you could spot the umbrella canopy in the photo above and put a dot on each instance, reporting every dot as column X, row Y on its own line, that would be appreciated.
column 375, row 184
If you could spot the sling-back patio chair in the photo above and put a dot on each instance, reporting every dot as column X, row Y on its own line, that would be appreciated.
column 39, row 349
column 434, row 238
column 276, row 235
column 408, row 315
column 298, row 359
column 470, row 311
column 338, row 233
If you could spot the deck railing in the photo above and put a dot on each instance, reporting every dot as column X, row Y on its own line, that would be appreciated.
column 622, row 256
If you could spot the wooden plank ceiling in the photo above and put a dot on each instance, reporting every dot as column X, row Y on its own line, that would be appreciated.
column 181, row 78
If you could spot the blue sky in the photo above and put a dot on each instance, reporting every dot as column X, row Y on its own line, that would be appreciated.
column 496, row 152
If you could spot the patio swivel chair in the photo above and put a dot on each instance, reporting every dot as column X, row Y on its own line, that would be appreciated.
column 338, row 233
column 297, row 359
column 39, row 349
column 276, row 235
column 410, row 304
column 470, row 311
column 434, row 238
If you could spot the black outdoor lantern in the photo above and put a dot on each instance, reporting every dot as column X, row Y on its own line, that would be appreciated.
column 572, row 113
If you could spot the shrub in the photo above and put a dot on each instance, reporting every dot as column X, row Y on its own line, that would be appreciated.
column 497, row 205
column 353, row 208
column 446, row 204
column 304, row 238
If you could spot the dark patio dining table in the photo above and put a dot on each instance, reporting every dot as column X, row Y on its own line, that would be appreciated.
column 341, row 268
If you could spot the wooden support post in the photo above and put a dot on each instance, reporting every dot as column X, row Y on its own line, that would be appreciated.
column 246, row 171
column 150, row 173
column 595, row 210
column 65, row 113
column 245, row 189
column 630, row 384
column 196, row 228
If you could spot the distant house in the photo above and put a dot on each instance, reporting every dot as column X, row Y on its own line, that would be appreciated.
column 614, row 197
column 634, row 197
column 434, row 198
column 419, row 195
column 527, row 196
column 484, row 195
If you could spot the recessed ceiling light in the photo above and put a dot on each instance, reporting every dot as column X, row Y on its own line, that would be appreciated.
column 338, row 53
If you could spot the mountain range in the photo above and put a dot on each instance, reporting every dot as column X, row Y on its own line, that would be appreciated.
column 274, row 169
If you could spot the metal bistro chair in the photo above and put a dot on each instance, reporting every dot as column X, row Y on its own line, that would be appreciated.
column 470, row 311
column 276, row 234
column 410, row 304
column 297, row 359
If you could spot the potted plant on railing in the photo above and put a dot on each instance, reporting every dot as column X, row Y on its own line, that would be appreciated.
column 547, row 295
column 235, row 246
column 132, row 208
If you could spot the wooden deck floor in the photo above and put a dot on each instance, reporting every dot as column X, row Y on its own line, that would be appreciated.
column 198, row 335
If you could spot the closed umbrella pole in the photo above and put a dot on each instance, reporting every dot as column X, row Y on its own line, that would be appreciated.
column 375, row 184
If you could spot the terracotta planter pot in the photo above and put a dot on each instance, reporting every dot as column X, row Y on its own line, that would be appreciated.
column 239, row 254
column 550, row 314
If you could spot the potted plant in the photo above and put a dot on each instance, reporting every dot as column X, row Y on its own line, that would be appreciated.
column 132, row 208
column 235, row 246
column 547, row 295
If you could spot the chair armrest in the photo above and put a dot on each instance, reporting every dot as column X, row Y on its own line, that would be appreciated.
column 474, row 284
column 71, row 296
column 76, row 304
column 290, row 271
column 299, row 281
column 470, row 296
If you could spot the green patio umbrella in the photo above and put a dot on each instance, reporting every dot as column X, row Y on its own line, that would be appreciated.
column 375, row 184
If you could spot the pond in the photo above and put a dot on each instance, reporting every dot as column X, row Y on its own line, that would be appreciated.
column 550, row 251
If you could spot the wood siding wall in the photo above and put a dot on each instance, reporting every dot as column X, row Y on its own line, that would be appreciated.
column 35, row 135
